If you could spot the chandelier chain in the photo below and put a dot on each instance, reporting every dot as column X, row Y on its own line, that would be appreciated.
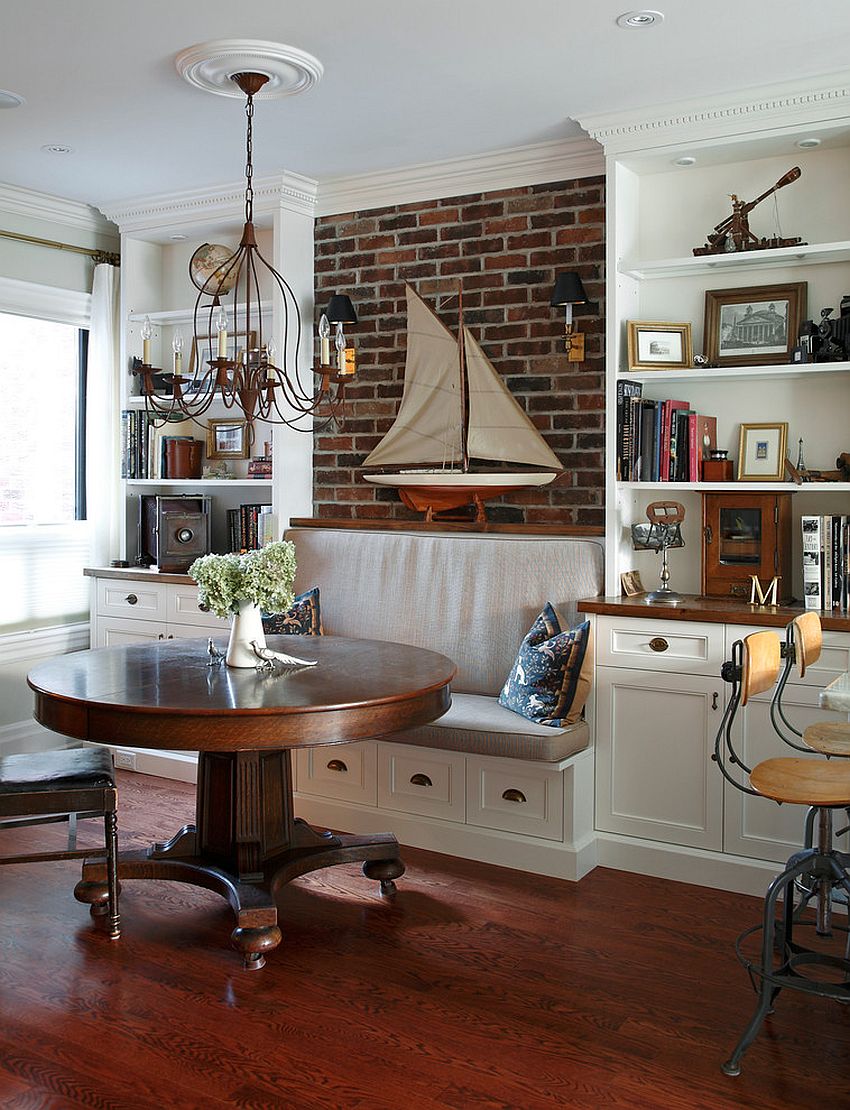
column 249, row 160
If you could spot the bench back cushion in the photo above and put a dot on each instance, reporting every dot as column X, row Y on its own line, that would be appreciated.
column 470, row 596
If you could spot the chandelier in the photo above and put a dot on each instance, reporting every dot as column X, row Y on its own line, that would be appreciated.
column 260, row 380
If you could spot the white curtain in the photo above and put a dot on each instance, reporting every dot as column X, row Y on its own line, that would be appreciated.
column 103, row 420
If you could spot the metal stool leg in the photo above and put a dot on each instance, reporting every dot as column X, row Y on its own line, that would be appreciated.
column 113, row 922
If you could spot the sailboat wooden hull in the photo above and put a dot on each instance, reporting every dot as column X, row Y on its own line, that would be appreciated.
column 441, row 491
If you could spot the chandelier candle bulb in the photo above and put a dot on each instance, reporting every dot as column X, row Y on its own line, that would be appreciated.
column 325, row 338
column 221, row 325
column 147, row 331
column 177, row 348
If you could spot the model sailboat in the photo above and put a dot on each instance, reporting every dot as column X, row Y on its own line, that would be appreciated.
column 455, row 407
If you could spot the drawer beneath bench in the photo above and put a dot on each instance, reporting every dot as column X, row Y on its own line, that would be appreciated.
column 421, row 780
column 514, row 797
column 342, row 771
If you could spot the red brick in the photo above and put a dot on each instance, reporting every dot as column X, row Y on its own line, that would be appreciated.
column 577, row 235
column 439, row 216
column 506, row 223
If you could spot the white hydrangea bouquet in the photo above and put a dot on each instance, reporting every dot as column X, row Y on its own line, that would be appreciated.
column 246, row 586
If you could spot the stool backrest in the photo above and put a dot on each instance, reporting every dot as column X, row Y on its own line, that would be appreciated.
column 808, row 640
column 760, row 664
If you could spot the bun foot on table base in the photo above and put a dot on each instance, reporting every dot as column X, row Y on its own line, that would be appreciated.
column 384, row 870
column 254, row 943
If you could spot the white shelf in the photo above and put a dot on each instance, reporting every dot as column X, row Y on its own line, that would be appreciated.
column 197, row 482
column 784, row 370
column 742, row 487
column 803, row 255
column 186, row 315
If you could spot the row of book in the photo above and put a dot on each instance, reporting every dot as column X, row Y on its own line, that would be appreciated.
column 826, row 562
column 250, row 527
column 144, row 443
column 660, row 441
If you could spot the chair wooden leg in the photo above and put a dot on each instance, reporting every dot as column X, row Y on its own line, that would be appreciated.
column 113, row 923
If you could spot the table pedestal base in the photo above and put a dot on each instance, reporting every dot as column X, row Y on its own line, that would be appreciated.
column 245, row 847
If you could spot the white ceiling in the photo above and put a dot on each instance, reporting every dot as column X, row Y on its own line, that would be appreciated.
column 406, row 81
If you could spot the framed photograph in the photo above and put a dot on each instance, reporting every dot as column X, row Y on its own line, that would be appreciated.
column 761, row 452
column 631, row 583
column 199, row 359
column 657, row 346
column 757, row 326
column 227, row 439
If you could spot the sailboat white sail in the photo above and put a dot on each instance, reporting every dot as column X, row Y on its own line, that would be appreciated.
column 430, row 430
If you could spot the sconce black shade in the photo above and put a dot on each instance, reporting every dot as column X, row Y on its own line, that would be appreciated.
column 341, row 310
column 568, row 290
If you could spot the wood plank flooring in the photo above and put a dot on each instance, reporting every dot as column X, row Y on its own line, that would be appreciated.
column 479, row 987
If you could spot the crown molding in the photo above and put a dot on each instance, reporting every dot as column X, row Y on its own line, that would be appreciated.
column 500, row 169
column 766, row 108
column 221, row 204
column 30, row 205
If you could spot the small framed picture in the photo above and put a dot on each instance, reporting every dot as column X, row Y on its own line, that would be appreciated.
column 656, row 346
column 761, row 452
column 631, row 583
column 227, row 439
column 757, row 326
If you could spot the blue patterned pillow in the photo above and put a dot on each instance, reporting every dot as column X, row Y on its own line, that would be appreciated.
column 303, row 619
column 551, row 678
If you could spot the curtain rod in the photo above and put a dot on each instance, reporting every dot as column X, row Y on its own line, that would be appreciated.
column 111, row 257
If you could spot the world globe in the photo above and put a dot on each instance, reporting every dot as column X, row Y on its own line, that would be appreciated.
column 210, row 271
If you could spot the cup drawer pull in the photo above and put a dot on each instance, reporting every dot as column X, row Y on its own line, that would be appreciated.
column 420, row 780
column 658, row 643
column 337, row 765
column 131, row 599
column 512, row 795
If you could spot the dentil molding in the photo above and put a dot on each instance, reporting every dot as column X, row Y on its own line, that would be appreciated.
column 819, row 100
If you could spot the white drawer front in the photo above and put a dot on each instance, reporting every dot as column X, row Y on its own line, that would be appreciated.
column 183, row 608
column 515, row 798
column 343, row 771
column 421, row 780
column 685, row 647
column 834, row 657
column 115, row 631
column 139, row 600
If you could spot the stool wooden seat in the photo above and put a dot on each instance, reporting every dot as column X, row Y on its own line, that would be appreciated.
column 803, row 782
column 829, row 738
column 62, row 785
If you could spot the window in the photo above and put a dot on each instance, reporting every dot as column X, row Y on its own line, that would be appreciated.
column 42, row 453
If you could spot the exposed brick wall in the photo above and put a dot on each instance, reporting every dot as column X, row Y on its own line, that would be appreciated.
column 506, row 248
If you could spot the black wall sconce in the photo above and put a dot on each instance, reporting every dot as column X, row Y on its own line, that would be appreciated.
column 569, row 291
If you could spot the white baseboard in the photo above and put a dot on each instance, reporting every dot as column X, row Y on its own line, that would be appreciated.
column 737, row 874
column 540, row 857
column 180, row 766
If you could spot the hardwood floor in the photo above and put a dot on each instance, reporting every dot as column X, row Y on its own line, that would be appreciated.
column 479, row 987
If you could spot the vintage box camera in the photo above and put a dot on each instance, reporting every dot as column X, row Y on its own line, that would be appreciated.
column 173, row 531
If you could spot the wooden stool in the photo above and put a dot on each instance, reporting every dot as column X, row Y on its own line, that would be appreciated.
column 820, row 785
column 62, row 786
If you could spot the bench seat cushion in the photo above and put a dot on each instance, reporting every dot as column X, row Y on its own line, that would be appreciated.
column 476, row 723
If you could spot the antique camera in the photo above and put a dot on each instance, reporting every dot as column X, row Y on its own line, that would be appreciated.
column 173, row 531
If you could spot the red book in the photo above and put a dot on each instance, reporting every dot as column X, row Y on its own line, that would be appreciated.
column 706, row 442
column 667, row 418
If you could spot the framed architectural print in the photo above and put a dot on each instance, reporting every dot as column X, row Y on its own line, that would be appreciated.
column 227, row 439
column 656, row 346
column 757, row 326
column 761, row 452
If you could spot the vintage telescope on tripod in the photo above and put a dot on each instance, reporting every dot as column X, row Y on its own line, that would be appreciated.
column 733, row 234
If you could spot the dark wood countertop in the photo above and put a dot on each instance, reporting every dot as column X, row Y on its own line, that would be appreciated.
column 137, row 574
column 713, row 610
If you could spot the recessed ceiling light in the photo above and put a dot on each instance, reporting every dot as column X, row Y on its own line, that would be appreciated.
column 639, row 19
column 10, row 99
column 806, row 144
column 178, row 238
column 57, row 148
column 685, row 160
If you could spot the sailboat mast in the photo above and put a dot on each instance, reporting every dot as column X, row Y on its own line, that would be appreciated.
column 464, row 383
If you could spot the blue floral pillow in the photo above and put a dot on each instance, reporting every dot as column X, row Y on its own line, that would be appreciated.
column 551, row 677
column 303, row 619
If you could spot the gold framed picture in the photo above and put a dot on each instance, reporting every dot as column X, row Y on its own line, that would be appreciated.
column 659, row 346
column 757, row 326
column 227, row 439
column 761, row 452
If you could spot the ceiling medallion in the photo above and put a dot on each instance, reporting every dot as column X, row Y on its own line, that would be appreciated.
column 211, row 65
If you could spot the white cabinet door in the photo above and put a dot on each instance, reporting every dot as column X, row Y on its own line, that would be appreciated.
column 114, row 631
column 654, row 739
column 758, row 827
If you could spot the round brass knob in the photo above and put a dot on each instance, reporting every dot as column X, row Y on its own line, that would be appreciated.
column 131, row 599
column 658, row 643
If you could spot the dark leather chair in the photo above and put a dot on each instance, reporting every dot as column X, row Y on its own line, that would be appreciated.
column 64, row 785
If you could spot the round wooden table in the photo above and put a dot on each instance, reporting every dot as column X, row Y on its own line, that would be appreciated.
column 246, row 842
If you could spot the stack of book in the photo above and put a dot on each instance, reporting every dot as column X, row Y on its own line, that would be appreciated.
column 250, row 527
column 660, row 441
column 826, row 562
column 144, row 440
